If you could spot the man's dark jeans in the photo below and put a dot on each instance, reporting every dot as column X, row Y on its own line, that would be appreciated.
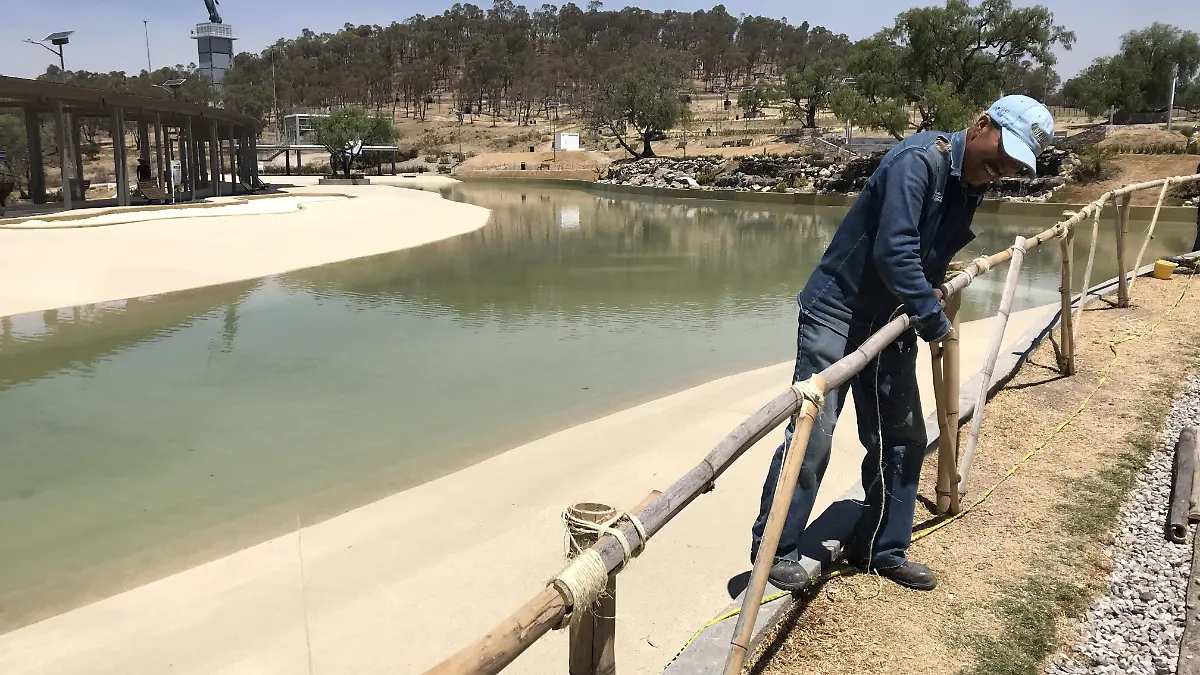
column 886, row 388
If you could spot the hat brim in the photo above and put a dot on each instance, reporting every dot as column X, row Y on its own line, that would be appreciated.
column 1015, row 147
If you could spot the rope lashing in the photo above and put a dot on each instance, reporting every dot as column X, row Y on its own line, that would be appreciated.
column 586, row 577
column 584, row 580
column 807, row 391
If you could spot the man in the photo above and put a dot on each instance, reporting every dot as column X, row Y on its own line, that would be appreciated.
column 143, row 170
column 889, row 256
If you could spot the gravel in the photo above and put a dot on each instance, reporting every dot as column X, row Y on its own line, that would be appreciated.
column 1135, row 625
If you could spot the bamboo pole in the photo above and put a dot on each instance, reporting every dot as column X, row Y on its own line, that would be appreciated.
column 1181, row 485
column 1067, row 246
column 1122, row 279
column 780, row 504
column 993, row 352
column 950, row 372
column 1087, row 277
column 1137, row 265
column 946, row 458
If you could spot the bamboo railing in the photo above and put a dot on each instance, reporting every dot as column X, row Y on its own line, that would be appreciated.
column 549, row 608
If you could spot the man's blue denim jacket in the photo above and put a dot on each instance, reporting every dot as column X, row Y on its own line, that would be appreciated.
column 894, row 246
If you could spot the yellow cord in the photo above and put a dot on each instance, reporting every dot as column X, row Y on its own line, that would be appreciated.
column 1112, row 346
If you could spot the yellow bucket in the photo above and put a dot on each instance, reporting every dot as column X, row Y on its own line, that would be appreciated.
column 1164, row 268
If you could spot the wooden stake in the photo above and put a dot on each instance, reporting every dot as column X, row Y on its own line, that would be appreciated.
column 780, row 504
column 1010, row 288
column 1137, row 265
column 1122, row 278
column 1087, row 278
column 1067, row 335
column 952, row 377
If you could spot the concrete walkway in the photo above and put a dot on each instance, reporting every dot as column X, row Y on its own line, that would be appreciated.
column 50, row 268
column 395, row 586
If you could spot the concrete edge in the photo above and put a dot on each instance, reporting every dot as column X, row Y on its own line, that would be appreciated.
column 707, row 651
column 1182, row 214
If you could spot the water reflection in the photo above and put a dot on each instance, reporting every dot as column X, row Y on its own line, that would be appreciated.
column 144, row 436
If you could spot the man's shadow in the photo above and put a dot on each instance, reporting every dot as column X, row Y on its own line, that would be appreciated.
column 833, row 525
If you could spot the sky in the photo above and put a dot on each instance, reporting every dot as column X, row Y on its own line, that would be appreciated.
column 109, row 34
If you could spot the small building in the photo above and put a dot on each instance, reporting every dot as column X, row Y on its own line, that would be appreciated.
column 564, row 141
column 298, row 130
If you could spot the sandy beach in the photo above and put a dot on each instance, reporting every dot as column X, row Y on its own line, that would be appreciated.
column 105, row 256
column 397, row 585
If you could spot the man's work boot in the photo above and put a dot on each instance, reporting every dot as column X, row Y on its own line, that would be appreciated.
column 789, row 575
column 911, row 574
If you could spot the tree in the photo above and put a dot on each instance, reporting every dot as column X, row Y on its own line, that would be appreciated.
column 1139, row 77
column 949, row 62
column 755, row 97
column 14, row 143
column 346, row 131
column 642, row 96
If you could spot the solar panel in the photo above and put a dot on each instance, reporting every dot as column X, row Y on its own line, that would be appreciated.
column 175, row 83
column 60, row 38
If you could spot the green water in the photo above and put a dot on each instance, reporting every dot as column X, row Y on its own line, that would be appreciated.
column 145, row 436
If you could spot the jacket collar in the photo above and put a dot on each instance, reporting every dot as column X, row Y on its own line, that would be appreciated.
column 958, row 149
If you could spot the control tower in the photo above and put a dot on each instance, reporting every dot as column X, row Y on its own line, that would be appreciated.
column 214, row 44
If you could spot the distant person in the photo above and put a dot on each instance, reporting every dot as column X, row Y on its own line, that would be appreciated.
column 143, row 170
column 889, row 256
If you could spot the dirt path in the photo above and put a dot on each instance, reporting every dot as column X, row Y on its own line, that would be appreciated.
column 1016, row 566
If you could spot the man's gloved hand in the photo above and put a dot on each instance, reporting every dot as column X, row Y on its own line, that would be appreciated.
column 937, row 327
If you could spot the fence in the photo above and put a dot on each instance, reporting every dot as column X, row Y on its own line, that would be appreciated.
column 589, row 581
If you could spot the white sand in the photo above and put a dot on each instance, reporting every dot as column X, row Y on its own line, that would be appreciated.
column 397, row 585
column 188, row 248
column 236, row 207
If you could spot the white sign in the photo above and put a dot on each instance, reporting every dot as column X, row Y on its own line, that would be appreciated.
column 564, row 141
column 176, row 172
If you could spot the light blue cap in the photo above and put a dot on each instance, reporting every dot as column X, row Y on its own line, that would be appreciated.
column 1026, row 126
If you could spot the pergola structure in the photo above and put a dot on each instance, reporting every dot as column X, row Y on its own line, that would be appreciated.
column 216, row 149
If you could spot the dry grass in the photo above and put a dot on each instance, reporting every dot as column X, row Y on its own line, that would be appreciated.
column 1135, row 138
column 1131, row 169
column 1015, row 567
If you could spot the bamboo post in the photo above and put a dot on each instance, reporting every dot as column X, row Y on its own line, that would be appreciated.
column 997, row 341
column 946, row 457
column 1121, row 225
column 950, row 373
column 591, row 628
column 780, row 503
column 1087, row 277
column 1137, row 265
column 1067, row 246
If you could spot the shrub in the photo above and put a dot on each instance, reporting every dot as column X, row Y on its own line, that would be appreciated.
column 1095, row 164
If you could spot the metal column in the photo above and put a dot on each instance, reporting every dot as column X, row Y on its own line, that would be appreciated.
column 119, row 158
column 158, row 148
column 216, row 159
column 233, row 162
column 37, row 171
column 64, row 156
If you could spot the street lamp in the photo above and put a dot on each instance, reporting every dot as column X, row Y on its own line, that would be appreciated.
column 171, row 86
column 58, row 40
